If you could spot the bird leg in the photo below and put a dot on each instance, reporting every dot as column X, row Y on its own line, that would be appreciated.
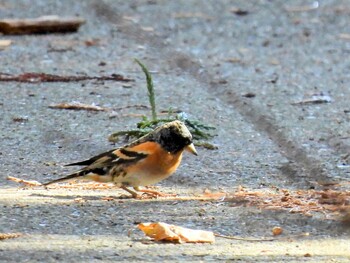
column 133, row 193
column 153, row 193
column 147, row 192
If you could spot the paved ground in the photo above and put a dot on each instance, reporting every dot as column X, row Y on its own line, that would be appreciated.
column 254, row 75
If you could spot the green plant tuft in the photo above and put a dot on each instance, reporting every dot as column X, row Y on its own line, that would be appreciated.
column 199, row 131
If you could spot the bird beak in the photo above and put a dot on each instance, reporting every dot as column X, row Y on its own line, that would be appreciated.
column 190, row 148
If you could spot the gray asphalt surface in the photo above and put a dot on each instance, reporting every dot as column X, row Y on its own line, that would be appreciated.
column 254, row 76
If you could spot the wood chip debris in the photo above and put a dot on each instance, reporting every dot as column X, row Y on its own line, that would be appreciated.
column 277, row 230
column 344, row 36
column 25, row 182
column 306, row 202
column 9, row 235
column 315, row 99
column 137, row 106
column 234, row 60
column 238, row 11
column 4, row 43
column 176, row 234
column 192, row 15
column 20, row 119
column 81, row 185
column 33, row 77
column 303, row 8
column 249, row 95
column 40, row 25
column 75, row 105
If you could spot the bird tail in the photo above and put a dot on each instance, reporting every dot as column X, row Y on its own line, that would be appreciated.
column 68, row 177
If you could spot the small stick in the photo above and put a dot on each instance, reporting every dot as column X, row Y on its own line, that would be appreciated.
column 245, row 238
column 253, row 239
column 21, row 181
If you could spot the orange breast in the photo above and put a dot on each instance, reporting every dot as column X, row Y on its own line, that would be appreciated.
column 158, row 162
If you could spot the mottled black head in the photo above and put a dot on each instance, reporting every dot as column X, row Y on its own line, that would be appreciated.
column 174, row 137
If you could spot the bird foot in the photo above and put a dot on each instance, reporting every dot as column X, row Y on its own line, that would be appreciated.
column 146, row 193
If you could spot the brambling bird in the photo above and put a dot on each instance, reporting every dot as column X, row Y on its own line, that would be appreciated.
column 146, row 161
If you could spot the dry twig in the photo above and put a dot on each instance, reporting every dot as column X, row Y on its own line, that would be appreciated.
column 33, row 77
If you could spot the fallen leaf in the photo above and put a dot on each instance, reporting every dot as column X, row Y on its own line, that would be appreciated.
column 176, row 234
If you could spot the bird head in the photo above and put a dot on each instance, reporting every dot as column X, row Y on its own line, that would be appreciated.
column 174, row 137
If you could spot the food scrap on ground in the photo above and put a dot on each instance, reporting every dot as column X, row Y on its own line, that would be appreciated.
column 176, row 234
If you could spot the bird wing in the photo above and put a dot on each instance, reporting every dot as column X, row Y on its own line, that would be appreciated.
column 136, row 150
column 102, row 163
column 91, row 160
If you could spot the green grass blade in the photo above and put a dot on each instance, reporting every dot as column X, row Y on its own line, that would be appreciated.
column 150, row 88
